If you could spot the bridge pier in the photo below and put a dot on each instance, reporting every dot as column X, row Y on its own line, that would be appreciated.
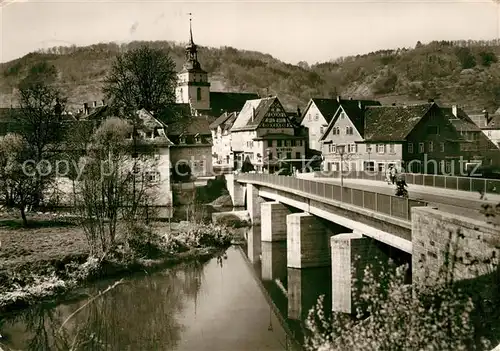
column 307, row 241
column 253, row 203
column 236, row 190
column 273, row 221
column 351, row 254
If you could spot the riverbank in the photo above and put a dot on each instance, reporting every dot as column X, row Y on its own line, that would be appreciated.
column 51, row 258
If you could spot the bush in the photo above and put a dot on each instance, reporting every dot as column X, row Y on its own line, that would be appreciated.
column 390, row 317
column 144, row 243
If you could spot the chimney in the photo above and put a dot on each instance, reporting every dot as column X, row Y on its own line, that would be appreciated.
column 487, row 116
column 338, row 98
column 299, row 113
column 95, row 104
column 253, row 113
column 454, row 110
column 85, row 108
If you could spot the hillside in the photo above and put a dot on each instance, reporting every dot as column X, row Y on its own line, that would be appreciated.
column 464, row 72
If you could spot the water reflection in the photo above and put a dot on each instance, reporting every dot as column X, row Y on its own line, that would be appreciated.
column 274, row 261
column 194, row 307
column 304, row 288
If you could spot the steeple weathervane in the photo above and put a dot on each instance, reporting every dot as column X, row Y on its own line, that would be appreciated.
column 191, row 49
column 190, row 29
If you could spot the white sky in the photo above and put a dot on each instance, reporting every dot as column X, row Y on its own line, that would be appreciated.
column 313, row 31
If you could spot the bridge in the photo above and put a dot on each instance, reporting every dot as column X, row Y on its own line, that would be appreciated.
column 325, row 223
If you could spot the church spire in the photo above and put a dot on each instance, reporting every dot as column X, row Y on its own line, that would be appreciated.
column 191, row 49
column 191, row 41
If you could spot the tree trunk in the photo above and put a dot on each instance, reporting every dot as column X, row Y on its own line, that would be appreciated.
column 23, row 216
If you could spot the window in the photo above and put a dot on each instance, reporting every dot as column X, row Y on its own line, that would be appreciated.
column 431, row 146
column 310, row 117
column 197, row 139
column 441, row 147
column 368, row 148
column 289, row 155
column 421, row 148
column 391, row 148
column 294, row 142
column 334, row 131
column 342, row 115
column 410, row 148
column 381, row 148
column 297, row 155
column 334, row 148
column 447, row 166
column 182, row 140
column 316, row 116
column 269, row 143
column 489, row 133
column 353, row 148
column 381, row 167
column 198, row 94
column 153, row 176
column 278, row 143
column 321, row 130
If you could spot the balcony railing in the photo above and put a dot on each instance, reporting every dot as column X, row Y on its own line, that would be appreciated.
column 487, row 186
column 394, row 206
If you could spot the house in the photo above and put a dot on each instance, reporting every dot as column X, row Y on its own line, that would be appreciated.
column 222, row 156
column 192, row 145
column 193, row 88
column 489, row 124
column 264, row 134
column 423, row 138
column 319, row 113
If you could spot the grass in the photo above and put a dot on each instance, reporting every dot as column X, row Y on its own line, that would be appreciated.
column 51, row 256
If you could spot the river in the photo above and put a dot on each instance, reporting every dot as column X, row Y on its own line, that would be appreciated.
column 246, row 300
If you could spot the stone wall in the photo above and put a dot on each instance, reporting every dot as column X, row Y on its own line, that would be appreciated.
column 433, row 231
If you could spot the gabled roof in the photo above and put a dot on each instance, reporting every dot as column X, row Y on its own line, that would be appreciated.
column 393, row 123
column 253, row 113
column 225, row 120
column 355, row 111
column 221, row 102
column 148, row 120
column 461, row 122
column 328, row 107
column 190, row 126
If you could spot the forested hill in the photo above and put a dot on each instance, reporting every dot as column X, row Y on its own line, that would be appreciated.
column 462, row 72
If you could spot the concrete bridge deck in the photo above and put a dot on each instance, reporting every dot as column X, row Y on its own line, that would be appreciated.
column 464, row 203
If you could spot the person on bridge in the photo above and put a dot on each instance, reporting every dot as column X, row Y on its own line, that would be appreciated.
column 388, row 175
column 393, row 172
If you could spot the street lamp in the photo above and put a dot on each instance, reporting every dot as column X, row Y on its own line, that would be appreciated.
column 341, row 151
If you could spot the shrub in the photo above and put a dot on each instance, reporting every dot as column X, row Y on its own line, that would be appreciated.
column 392, row 316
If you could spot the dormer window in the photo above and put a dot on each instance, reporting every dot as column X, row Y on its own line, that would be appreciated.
column 182, row 139
column 197, row 139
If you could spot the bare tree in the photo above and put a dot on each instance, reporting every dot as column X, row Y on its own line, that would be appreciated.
column 39, row 120
column 112, row 186
column 143, row 78
column 17, row 182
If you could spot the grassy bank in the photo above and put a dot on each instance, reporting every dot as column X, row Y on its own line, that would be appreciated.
column 51, row 257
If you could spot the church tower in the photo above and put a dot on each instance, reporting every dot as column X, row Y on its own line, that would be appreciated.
column 193, row 86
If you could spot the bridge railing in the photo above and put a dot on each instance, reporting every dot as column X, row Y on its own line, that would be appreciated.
column 393, row 206
column 488, row 186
